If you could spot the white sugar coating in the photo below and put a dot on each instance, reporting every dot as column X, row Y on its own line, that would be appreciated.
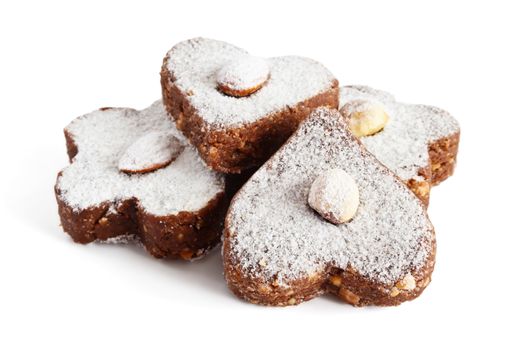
column 403, row 143
column 243, row 73
column 270, row 219
column 194, row 64
column 334, row 194
column 152, row 150
column 102, row 137
column 122, row 239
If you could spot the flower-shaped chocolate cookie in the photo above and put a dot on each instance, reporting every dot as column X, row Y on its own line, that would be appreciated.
column 133, row 176
column 418, row 143
column 238, row 109
column 281, row 246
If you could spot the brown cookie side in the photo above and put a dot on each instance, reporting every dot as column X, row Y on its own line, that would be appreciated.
column 443, row 156
column 186, row 235
column 235, row 149
column 421, row 188
column 347, row 285
column 442, row 161
column 261, row 292
column 96, row 223
column 359, row 291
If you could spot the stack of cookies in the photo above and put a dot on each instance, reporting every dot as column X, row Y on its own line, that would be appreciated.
column 312, row 187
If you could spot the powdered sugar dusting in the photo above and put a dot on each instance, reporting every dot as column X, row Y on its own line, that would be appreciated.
column 186, row 184
column 270, row 220
column 122, row 239
column 403, row 144
column 194, row 64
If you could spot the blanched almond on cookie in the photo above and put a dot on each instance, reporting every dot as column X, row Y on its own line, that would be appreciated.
column 365, row 118
column 150, row 152
column 243, row 76
column 335, row 196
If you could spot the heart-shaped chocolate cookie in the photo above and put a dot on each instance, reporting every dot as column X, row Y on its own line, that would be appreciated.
column 281, row 246
column 238, row 109
column 134, row 176
column 418, row 143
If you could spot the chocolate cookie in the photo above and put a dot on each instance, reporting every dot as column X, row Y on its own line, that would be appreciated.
column 323, row 215
column 418, row 143
column 238, row 109
column 133, row 176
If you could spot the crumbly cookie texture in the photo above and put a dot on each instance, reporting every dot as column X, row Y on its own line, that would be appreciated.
column 278, row 251
column 235, row 133
column 175, row 210
column 418, row 143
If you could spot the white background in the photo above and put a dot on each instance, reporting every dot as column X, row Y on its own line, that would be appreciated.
column 59, row 61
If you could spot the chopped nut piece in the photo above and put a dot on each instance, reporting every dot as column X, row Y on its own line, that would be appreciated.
column 394, row 292
column 422, row 189
column 336, row 280
column 349, row 297
column 103, row 221
column 186, row 254
column 263, row 288
column 407, row 283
